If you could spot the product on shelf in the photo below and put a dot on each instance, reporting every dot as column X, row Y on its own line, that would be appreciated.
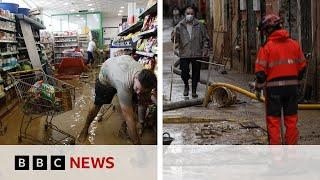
column 4, row 36
column 150, row 22
column 5, row 25
column 8, row 62
column 7, row 14
column 65, row 33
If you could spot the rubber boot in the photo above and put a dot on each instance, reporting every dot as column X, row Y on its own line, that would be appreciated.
column 194, row 92
column 186, row 90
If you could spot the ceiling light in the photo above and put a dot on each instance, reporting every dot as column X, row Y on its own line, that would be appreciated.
column 119, row 14
column 78, row 15
column 120, row 11
column 89, row 4
column 72, row 10
column 122, row 7
column 66, row 4
column 91, row 9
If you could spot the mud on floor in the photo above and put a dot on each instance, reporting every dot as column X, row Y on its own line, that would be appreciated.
column 218, row 132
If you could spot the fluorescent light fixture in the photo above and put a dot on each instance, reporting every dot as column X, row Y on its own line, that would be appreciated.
column 72, row 10
column 66, row 4
column 89, row 4
column 122, row 7
column 78, row 15
column 91, row 9
column 119, row 14
column 120, row 11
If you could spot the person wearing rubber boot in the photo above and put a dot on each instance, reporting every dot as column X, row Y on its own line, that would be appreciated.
column 279, row 67
column 125, row 77
column 193, row 42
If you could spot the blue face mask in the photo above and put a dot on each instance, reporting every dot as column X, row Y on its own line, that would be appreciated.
column 189, row 17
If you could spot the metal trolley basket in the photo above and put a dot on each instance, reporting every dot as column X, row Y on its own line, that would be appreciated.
column 36, row 105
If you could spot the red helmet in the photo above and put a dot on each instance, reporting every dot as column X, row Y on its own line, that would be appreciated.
column 270, row 20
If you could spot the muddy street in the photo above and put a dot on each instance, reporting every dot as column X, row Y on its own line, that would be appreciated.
column 199, row 125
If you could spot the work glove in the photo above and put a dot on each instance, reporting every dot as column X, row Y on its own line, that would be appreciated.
column 258, row 93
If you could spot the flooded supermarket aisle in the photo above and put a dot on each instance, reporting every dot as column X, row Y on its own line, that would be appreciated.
column 108, row 131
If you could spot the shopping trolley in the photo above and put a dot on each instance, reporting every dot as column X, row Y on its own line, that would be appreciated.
column 37, row 101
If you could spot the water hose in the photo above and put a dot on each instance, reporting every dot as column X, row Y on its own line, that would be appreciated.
column 237, row 89
column 251, row 95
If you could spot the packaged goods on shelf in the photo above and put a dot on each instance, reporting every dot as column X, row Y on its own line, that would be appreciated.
column 8, row 62
column 4, row 36
column 9, row 26
column 150, row 22
column 6, row 14
column 65, row 33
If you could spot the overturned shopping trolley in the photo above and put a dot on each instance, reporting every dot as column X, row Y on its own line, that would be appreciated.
column 43, row 95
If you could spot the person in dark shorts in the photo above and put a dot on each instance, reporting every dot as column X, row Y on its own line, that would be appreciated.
column 125, row 77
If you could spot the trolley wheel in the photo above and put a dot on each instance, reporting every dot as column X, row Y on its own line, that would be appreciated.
column 19, row 139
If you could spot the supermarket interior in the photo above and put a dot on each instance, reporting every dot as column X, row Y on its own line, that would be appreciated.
column 53, row 58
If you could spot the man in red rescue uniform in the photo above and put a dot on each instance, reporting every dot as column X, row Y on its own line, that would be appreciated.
column 279, row 67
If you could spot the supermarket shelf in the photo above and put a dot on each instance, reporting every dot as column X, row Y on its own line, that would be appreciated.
column 149, row 32
column 65, row 41
column 6, row 41
column 22, row 48
column 152, row 9
column 73, row 36
column 32, row 22
column 7, row 68
column 65, row 46
column 133, row 28
column 8, row 53
column 145, row 54
column 7, row 19
column 23, row 60
column 8, row 30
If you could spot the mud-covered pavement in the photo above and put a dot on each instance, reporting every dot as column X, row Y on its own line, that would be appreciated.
column 105, row 132
column 197, row 119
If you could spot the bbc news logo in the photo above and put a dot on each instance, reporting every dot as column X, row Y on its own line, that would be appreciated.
column 59, row 162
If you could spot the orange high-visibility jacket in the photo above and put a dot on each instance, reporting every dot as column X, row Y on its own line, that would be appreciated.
column 280, row 57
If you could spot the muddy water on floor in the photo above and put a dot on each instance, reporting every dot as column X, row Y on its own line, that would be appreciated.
column 215, row 132
column 104, row 132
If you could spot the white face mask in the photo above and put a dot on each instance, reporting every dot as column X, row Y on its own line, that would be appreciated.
column 189, row 17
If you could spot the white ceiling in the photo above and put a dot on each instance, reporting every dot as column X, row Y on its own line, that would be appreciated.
column 109, row 8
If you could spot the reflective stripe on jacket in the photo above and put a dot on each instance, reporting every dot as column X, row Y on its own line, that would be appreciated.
column 280, row 57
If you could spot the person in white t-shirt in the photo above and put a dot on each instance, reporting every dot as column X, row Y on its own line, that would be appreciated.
column 90, row 49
